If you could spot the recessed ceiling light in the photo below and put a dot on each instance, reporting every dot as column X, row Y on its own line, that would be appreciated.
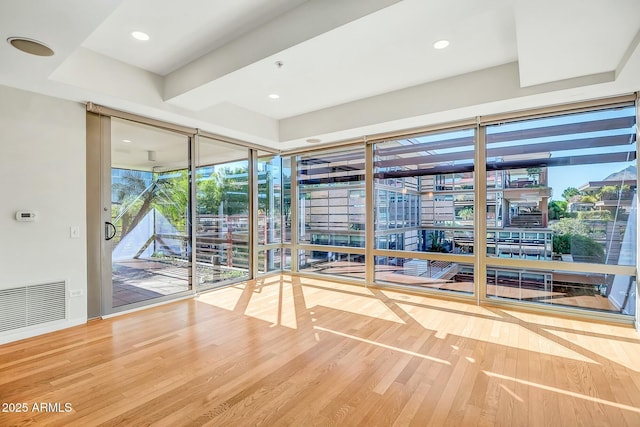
column 313, row 140
column 33, row 47
column 441, row 44
column 139, row 35
column 126, row 141
column 274, row 96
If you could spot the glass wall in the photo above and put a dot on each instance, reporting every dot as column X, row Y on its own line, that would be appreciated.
column 222, row 219
column 564, row 189
column 558, row 191
column 555, row 198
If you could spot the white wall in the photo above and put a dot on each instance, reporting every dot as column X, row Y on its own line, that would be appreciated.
column 42, row 167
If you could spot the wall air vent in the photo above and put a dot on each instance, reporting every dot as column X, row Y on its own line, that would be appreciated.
column 32, row 305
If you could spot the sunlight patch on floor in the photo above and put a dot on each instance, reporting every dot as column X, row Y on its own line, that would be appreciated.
column 341, row 301
column 274, row 303
column 225, row 298
column 445, row 323
column 379, row 344
column 621, row 353
column 564, row 392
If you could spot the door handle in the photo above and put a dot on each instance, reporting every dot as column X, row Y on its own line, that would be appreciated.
column 109, row 227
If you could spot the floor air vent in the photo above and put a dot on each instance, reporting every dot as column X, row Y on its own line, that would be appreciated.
column 32, row 305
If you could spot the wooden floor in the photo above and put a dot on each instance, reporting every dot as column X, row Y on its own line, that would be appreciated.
column 302, row 352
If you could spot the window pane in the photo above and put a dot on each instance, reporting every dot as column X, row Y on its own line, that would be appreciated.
column 269, row 260
column 286, row 259
column 222, row 240
column 570, row 178
column 286, row 199
column 424, row 198
column 331, row 206
column 269, row 199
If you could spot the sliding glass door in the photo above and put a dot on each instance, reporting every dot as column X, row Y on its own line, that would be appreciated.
column 147, row 216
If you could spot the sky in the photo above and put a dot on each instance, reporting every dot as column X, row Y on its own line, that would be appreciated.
column 561, row 178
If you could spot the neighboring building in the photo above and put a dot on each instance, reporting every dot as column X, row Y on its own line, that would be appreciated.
column 614, row 197
column 619, row 198
column 577, row 205
column 430, row 213
column 517, row 211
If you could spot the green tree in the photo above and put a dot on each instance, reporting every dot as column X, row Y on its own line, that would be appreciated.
column 235, row 192
column 608, row 192
column 569, row 192
column 171, row 198
column 436, row 238
column 466, row 213
column 562, row 244
column 266, row 190
column 571, row 226
column 602, row 215
column 209, row 194
column 139, row 192
column 534, row 174
column 557, row 209
column 612, row 192
column 578, row 246
column 228, row 187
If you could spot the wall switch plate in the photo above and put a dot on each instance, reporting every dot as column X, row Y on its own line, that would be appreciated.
column 74, row 232
column 75, row 293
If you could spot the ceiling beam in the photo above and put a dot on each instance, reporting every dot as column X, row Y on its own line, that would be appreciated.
column 444, row 100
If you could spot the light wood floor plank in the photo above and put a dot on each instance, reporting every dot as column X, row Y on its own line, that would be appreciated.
column 289, row 351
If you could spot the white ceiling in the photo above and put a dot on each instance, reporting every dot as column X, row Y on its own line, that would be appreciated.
column 131, row 143
column 181, row 31
column 350, row 67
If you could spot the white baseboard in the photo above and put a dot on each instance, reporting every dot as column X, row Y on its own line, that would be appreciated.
column 10, row 336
